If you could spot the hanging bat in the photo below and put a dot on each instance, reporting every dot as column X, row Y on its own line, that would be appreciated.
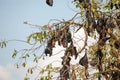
column 49, row 2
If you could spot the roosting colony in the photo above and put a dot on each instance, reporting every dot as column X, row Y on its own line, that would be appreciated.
column 104, row 25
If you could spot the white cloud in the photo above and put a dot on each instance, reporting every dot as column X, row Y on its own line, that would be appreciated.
column 5, row 74
column 10, row 72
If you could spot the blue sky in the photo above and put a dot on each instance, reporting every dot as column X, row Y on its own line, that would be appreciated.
column 12, row 15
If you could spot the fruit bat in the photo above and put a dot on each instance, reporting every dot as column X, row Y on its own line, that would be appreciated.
column 49, row 2
column 72, row 50
column 84, row 60
column 48, row 50
column 117, row 44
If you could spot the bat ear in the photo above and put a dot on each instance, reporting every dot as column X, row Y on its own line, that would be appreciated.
column 49, row 2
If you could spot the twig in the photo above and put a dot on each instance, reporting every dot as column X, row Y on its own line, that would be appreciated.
column 85, row 42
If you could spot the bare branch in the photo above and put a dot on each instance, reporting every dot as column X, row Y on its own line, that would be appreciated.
column 85, row 42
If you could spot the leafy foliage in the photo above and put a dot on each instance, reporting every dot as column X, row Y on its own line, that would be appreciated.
column 14, row 54
column 3, row 44
column 100, row 22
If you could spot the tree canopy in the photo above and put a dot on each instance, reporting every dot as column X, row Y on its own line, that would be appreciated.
column 99, row 22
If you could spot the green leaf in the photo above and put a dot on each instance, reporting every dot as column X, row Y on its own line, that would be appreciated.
column 49, row 72
column 41, row 78
column 0, row 44
column 30, row 71
column 3, row 44
column 49, row 66
column 108, row 7
column 40, row 36
column 27, row 55
column 96, row 14
column 115, row 23
column 35, row 35
column 29, row 37
column 17, row 66
column 35, row 60
column 14, row 54
column 26, row 78
column 44, row 27
column 46, row 78
column 23, row 64
column 77, row 6
column 45, row 35
column 113, row 53
column 42, row 71
column 34, row 55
